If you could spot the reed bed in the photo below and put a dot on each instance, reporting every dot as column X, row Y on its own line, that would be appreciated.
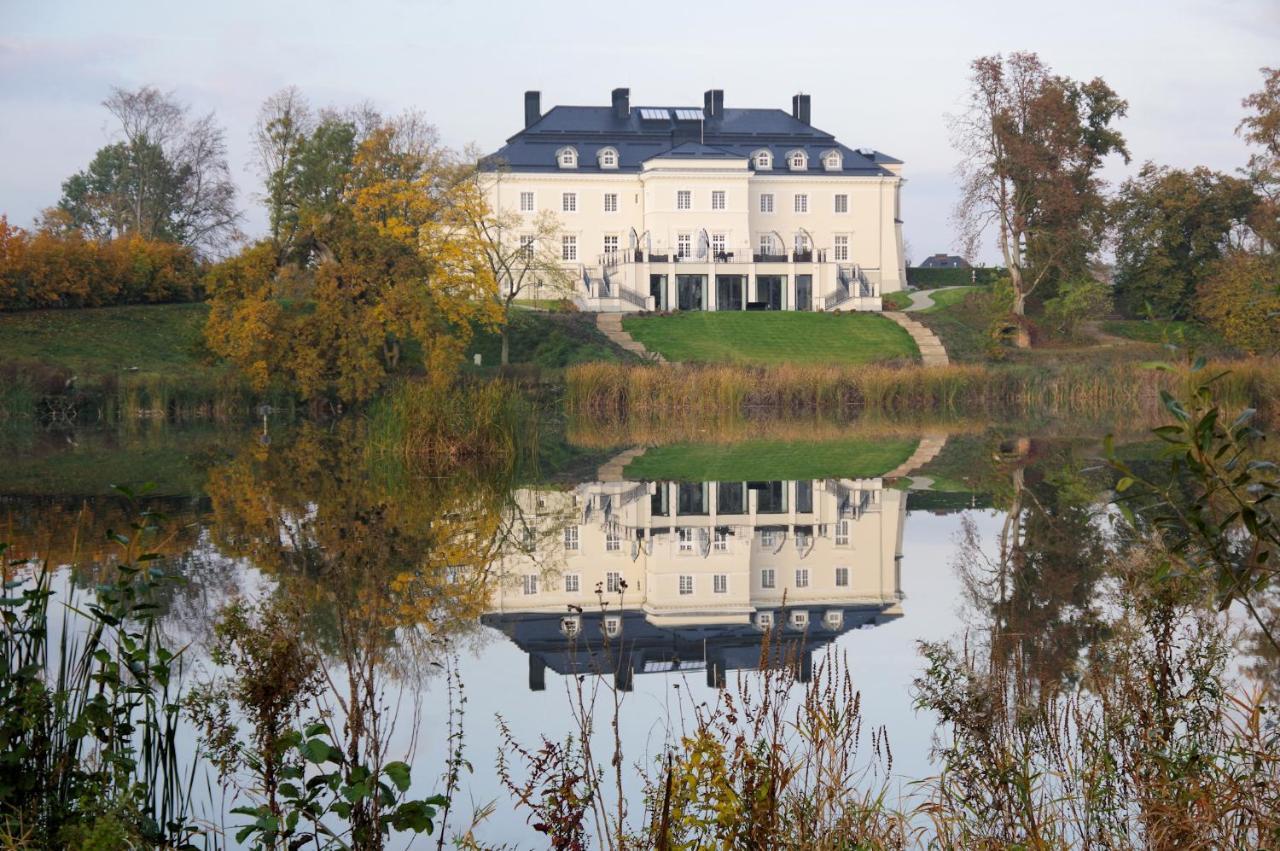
column 481, row 424
column 622, row 391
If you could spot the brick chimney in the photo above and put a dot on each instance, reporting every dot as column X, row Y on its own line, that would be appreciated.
column 532, row 108
column 713, row 103
column 621, row 103
column 800, row 108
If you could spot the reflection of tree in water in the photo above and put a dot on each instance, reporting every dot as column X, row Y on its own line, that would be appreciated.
column 382, row 557
column 1037, row 598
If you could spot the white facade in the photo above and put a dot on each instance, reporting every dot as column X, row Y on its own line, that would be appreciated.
column 713, row 227
column 799, row 558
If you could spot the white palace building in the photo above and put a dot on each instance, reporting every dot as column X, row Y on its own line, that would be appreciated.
column 687, row 208
column 639, row 577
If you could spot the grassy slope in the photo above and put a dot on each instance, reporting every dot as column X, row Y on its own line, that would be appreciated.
column 158, row 339
column 1161, row 331
column 770, row 460
column 550, row 340
column 944, row 299
column 774, row 337
column 897, row 301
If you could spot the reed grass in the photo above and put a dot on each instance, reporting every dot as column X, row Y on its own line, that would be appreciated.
column 620, row 391
column 479, row 424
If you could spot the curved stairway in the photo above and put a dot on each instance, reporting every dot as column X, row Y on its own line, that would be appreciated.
column 931, row 351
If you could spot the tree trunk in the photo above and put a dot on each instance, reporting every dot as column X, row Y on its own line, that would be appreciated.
column 506, row 344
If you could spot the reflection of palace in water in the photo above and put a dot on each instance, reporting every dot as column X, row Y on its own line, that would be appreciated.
column 635, row 577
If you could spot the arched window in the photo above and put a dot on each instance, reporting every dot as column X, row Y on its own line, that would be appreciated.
column 608, row 157
column 567, row 157
column 763, row 160
column 832, row 161
column 797, row 161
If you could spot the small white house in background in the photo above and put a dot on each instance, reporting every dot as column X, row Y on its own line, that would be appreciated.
column 688, row 208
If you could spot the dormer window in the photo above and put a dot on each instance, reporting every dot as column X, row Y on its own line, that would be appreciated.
column 832, row 161
column 567, row 157
column 608, row 157
column 763, row 160
column 797, row 161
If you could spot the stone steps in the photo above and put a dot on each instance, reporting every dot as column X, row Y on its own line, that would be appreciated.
column 612, row 470
column 932, row 352
column 610, row 324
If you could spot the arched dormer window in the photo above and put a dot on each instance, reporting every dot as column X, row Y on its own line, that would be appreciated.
column 763, row 160
column 567, row 157
column 608, row 157
column 832, row 161
column 797, row 160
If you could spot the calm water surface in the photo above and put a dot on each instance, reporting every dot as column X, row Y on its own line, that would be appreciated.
column 662, row 586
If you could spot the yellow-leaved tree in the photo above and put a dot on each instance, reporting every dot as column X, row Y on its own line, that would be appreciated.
column 377, row 267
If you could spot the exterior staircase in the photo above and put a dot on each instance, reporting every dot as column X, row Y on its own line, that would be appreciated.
column 932, row 352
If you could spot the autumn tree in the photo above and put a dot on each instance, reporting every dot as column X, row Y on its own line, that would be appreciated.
column 1170, row 225
column 1261, row 127
column 1032, row 145
column 519, row 253
column 378, row 264
column 1240, row 299
column 165, row 178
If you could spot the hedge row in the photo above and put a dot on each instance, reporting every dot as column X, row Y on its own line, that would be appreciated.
column 48, row 269
column 926, row 279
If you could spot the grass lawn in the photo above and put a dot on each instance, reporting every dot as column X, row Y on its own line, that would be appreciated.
column 943, row 299
column 770, row 460
column 897, row 301
column 159, row 339
column 772, row 337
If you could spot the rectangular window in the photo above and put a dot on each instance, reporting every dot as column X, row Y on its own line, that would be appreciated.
column 842, row 577
column 842, row 533
column 842, row 203
column 766, row 203
column 802, row 203
column 526, row 202
column 685, row 537
column 531, row 583
column 568, row 247
column 717, row 244
column 610, row 245
column 571, row 538
column 569, row 202
column 572, row 583
column 802, row 243
column 802, row 577
column 768, row 579
column 684, row 245
column 611, row 202
column 842, row 246
column 768, row 539
column 686, row 584
column 721, row 583
column 721, row 543
column 766, row 243
column 613, row 582
column 717, row 199
column 526, row 246
column 613, row 540
column 684, row 200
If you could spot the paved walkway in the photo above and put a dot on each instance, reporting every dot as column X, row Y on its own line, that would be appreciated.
column 931, row 351
column 610, row 324
column 612, row 470
column 923, row 299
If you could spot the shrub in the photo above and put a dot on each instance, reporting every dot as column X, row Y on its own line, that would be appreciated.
column 1240, row 299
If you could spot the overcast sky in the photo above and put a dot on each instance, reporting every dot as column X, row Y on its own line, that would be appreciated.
column 881, row 75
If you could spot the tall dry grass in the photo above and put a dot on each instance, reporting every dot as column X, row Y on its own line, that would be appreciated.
column 620, row 391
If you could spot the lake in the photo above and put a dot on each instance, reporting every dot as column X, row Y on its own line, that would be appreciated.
column 597, row 580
